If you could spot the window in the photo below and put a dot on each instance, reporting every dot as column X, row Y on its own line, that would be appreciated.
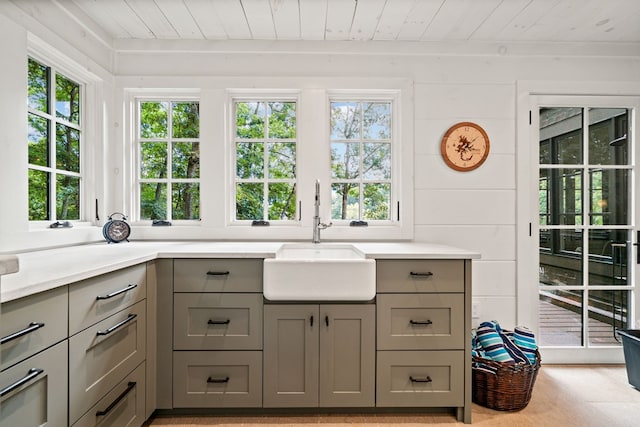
column 361, row 135
column 265, row 160
column 54, row 138
column 168, row 142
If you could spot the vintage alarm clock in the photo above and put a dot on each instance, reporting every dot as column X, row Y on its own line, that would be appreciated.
column 116, row 230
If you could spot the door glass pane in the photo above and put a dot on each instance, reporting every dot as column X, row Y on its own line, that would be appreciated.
column 561, row 257
column 561, row 136
column 560, row 321
column 560, row 197
column 608, row 134
column 607, row 311
column 609, row 196
column 607, row 257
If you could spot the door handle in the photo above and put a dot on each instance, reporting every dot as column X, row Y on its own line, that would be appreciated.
column 637, row 245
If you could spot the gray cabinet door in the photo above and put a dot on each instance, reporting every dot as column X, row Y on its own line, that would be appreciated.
column 347, row 355
column 291, row 355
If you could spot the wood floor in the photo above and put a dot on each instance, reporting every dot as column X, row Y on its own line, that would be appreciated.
column 563, row 396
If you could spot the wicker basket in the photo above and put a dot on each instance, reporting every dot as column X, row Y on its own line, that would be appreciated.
column 508, row 389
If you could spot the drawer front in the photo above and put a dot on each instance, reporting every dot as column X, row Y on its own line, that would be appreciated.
column 31, row 324
column 420, row 378
column 217, row 321
column 399, row 276
column 95, row 299
column 420, row 321
column 41, row 400
column 217, row 379
column 97, row 362
column 121, row 407
column 217, row 275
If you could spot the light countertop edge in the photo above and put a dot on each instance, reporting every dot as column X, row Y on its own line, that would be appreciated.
column 39, row 271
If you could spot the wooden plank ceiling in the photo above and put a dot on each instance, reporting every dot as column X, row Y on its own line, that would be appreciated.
column 364, row 20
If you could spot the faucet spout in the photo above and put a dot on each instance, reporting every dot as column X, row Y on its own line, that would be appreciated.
column 317, row 223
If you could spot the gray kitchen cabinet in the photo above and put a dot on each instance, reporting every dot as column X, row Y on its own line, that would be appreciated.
column 123, row 406
column 423, row 330
column 217, row 334
column 34, row 392
column 319, row 355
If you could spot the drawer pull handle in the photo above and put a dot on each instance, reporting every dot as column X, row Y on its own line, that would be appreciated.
column 211, row 380
column 421, row 380
column 33, row 372
column 217, row 273
column 130, row 386
column 326, row 321
column 117, row 325
column 219, row 322
column 311, row 321
column 32, row 327
column 421, row 322
column 113, row 294
column 415, row 274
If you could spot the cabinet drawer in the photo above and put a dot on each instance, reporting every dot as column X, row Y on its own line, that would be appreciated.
column 419, row 321
column 121, row 407
column 213, row 379
column 95, row 299
column 412, row 276
column 420, row 378
column 217, row 321
column 217, row 275
column 31, row 324
column 102, row 355
column 41, row 400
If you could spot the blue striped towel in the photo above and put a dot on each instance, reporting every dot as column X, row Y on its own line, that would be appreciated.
column 526, row 341
column 493, row 344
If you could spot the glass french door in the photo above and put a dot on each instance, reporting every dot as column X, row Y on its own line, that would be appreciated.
column 586, row 222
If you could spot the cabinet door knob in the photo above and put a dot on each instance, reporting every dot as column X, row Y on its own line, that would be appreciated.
column 418, row 274
column 130, row 386
column 117, row 325
column 420, row 380
column 33, row 372
column 212, row 380
column 32, row 327
column 217, row 273
column 421, row 322
column 121, row 291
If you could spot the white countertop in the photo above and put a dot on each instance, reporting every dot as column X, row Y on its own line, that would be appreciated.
column 44, row 270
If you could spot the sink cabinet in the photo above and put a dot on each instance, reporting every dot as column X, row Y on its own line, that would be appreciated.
column 319, row 355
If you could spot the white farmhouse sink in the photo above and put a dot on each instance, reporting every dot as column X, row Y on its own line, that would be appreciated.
column 319, row 272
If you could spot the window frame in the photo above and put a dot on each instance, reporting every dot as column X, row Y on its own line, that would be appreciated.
column 85, row 92
column 137, row 141
column 371, row 97
column 266, row 97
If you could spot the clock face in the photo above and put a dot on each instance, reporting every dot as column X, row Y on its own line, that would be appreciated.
column 465, row 146
column 117, row 231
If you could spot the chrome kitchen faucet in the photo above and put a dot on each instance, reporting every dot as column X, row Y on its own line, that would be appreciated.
column 317, row 224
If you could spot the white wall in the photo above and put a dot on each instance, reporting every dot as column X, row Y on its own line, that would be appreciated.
column 452, row 82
